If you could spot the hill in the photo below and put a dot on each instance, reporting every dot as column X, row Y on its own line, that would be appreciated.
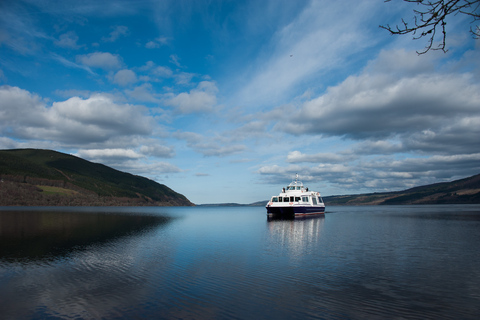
column 46, row 177
column 463, row 191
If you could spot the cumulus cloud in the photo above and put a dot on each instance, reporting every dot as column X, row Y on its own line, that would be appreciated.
column 423, row 112
column 378, row 106
column 102, row 60
column 125, row 77
column 201, row 99
column 75, row 121
column 371, row 174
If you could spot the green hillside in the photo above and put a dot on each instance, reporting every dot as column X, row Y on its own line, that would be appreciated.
column 45, row 177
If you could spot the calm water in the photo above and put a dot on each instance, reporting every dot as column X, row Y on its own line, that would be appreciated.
column 415, row 262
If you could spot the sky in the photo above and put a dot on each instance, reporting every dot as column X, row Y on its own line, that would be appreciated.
column 225, row 101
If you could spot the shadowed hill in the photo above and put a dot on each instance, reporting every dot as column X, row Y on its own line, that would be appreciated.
column 45, row 177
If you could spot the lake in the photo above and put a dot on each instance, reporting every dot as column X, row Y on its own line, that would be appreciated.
column 366, row 262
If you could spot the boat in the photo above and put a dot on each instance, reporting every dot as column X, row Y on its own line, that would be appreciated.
column 296, row 200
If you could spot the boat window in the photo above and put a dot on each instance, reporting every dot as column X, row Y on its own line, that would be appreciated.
column 274, row 199
column 291, row 199
column 285, row 199
column 314, row 199
column 297, row 199
column 280, row 199
column 320, row 199
column 305, row 199
column 298, row 188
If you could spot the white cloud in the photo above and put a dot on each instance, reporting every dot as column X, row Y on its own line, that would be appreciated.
column 125, row 77
column 425, row 110
column 102, row 60
column 159, row 151
column 97, row 119
column 201, row 99
column 377, row 174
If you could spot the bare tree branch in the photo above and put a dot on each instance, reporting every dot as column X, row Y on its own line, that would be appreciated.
column 431, row 19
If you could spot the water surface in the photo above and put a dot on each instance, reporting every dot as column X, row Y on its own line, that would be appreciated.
column 416, row 262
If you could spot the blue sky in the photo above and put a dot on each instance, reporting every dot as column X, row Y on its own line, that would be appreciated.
column 225, row 101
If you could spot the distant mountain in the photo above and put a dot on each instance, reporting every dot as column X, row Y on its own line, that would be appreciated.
column 463, row 191
column 45, row 177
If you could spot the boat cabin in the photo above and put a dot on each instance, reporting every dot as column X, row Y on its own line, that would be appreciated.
column 309, row 198
column 296, row 200
column 296, row 192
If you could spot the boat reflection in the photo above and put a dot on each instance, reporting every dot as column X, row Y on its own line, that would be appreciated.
column 297, row 234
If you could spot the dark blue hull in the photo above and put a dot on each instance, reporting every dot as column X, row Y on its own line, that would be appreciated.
column 295, row 211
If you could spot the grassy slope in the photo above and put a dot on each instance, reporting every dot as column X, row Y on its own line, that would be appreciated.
column 91, row 177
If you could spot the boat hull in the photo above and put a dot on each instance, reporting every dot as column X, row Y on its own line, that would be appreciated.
column 295, row 210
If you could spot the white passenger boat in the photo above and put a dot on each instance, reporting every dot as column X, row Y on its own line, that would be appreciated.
column 296, row 200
